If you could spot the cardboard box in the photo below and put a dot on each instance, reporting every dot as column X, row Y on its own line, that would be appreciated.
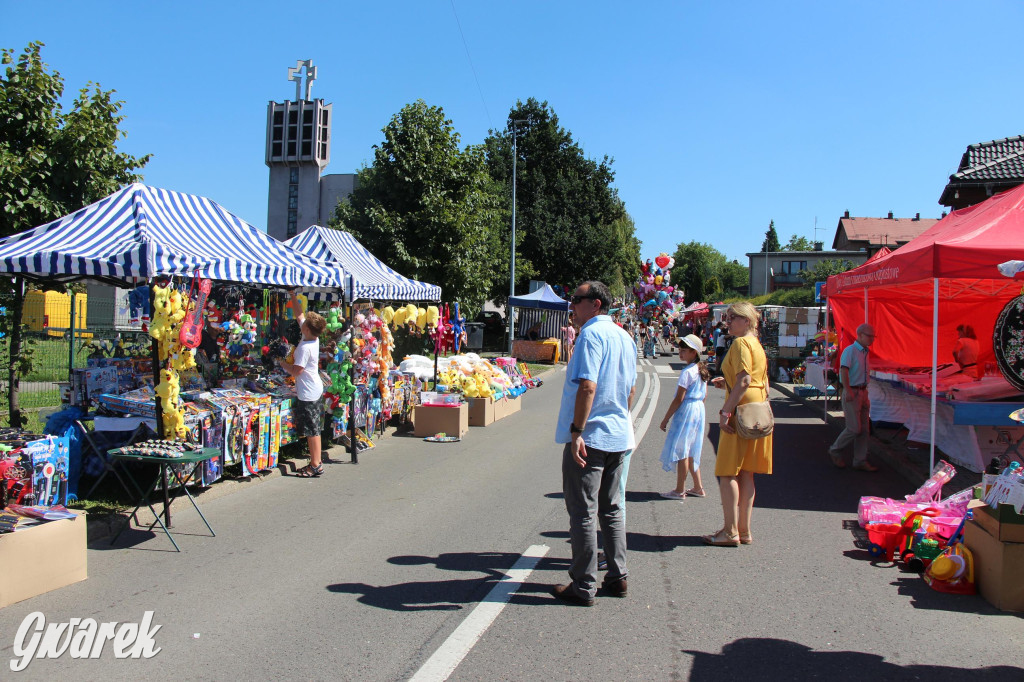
column 997, row 567
column 429, row 419
column 481, row 411
column 1005, row 525
column 42, row 558
column 801, row 316
column 789, row 329
column 507, row 406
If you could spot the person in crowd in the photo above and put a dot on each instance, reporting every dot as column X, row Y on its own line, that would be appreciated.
column 596, row 429
column 568, row 338
column 721, row 331
column 666, row 334
column 965, row 352
column 685, row 415
column 853, row 373
column 643, row 336
column 309, row 389
column 745, row 379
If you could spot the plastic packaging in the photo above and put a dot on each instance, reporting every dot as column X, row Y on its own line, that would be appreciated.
column 932, row 488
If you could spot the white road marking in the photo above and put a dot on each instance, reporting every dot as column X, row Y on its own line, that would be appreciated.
column 639, row 398
column 640, row 430
column 444, row 661
column 665, row 369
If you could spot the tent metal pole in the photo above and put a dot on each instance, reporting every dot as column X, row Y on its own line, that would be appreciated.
column 935, row 370
column 825, row 415
column 353, row 451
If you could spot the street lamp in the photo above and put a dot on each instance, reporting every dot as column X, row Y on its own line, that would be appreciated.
column 512, row 273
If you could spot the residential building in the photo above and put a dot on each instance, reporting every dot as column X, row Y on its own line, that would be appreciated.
column 986, row 168
column 871, row 234
column 781, row 269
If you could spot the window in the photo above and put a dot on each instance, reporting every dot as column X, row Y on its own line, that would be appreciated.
column 293, row 177
column 792, row 267
column 307, row 148
column 278, row 117
column 275, row 149
column 293, row 190
column 307, row 116
column 293, row 116
column 293, row 222
column 291, row 149
column 323, row 117
column 293, row 202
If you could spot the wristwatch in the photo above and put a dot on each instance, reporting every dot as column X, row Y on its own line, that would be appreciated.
column 574, row 429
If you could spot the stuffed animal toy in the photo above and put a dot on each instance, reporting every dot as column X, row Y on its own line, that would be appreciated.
column 458, row 325
column 398, row 318
column 433, row 316
column 334, row 320
column 388, row 314
column 421, row 319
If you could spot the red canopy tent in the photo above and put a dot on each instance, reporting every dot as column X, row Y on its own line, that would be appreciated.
column 917, row 295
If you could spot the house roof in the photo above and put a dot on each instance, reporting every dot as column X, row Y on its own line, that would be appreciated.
column 997, row 162
column 879, row 230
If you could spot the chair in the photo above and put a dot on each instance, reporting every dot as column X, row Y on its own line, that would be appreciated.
column 96, row 444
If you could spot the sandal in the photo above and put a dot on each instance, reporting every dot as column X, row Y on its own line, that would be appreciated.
column 693, row 492
column 310, row 471
column 746, row 538
column 721, row 539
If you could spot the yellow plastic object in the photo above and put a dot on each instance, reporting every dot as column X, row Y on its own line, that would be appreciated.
column 46, row 310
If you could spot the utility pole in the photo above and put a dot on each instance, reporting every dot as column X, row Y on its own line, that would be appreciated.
column 512, row 274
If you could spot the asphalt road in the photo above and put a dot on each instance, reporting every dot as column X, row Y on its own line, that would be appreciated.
column 366, row 573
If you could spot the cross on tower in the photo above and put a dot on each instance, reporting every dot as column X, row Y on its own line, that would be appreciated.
column 295, row 74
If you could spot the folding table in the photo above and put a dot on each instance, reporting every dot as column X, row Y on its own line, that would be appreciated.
column 164, row 465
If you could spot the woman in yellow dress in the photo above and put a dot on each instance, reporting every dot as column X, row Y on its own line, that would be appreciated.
column 745, row 379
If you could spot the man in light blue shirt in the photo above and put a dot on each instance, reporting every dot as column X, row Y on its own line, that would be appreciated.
column 595, row 425
column 853, row 372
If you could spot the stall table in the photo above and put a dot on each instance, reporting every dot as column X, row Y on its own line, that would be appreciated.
column 164, row 466
column 536, row 351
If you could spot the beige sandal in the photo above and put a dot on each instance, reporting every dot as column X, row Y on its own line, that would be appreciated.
column 721, row 539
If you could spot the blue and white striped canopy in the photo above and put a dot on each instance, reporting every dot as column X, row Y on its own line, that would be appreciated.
column 141, row 232
column 372, row 279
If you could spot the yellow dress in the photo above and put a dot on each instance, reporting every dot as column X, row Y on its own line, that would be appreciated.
column 737, row 454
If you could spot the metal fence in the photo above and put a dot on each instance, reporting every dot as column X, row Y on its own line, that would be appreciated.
column 54, row 341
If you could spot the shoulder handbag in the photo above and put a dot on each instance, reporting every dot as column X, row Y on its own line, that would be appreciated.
column 755, row 420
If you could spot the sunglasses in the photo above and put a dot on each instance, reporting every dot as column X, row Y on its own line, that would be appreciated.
column 577, row 298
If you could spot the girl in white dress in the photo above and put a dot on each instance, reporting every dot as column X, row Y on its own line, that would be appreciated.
column 684, row 421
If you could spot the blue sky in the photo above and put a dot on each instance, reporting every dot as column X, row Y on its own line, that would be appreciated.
column 719, row 116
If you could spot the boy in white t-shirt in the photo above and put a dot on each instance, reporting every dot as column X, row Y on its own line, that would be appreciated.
column 309, row 408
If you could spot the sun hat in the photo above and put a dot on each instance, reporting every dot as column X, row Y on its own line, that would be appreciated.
column 694, row 342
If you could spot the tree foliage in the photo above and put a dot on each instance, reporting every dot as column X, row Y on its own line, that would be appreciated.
column 771, row 239
column 825, row 269
column 705, row 274
column 571, row 224
column 52, row 162
column 429, row 208
column 798, row 244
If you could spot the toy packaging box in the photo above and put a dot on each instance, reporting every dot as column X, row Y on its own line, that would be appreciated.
column 47, row 459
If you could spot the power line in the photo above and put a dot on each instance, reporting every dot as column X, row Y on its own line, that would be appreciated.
column 472, row 68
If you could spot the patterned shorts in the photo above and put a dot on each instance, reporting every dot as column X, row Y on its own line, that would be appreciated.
column 309, row 417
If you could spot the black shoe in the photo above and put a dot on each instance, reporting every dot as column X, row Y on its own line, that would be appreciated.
column 565, row 593
column 616, row 588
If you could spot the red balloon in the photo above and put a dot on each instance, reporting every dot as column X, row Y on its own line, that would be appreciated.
column 662, row 261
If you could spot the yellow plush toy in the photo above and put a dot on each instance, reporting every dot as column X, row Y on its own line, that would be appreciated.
column 388, row 314
column 421, row 319
column 433, row 315
column 398, row 317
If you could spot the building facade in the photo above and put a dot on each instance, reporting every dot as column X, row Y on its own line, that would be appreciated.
column 298, row 149
column 781, row 269
column 871, row 234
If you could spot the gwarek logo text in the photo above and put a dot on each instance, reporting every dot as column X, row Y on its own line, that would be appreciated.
column 82, row 638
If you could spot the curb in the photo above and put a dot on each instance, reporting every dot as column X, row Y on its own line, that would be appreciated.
column 893, row 459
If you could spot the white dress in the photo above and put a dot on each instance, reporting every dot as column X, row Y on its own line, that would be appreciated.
column 685, row 437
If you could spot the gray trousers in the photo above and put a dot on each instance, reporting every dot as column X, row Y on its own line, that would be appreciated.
column 857, row 410
column 594, row 495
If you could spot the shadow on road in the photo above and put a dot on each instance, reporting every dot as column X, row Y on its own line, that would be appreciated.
column 757, row 659
column 641, row 542
column 452, row 595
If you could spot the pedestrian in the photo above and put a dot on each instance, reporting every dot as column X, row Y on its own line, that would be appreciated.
column 745, row 379
column 685, row 414
column 643, row 337
column 309, row 388
column 853, row 373
column 595, row 425
column 569, row 338
column 965, row 352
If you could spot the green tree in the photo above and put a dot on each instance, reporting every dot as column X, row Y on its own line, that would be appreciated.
column 429, row 208
column 798, row 244
column 825, row 269
column 52, row 162
column 571, row 224
column 771, row 239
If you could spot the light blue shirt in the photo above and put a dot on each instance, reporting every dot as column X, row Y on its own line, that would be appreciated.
column 606, row 355
column 855, row 358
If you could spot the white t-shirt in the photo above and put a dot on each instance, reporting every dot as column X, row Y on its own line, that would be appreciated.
column 308, row 386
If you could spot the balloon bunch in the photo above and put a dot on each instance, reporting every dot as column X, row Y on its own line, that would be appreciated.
column 654, row 292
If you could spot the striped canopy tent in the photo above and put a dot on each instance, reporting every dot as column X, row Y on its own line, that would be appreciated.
column 141, row 232
column 371, row 278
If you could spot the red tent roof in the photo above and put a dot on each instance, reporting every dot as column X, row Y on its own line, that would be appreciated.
column 966, row 244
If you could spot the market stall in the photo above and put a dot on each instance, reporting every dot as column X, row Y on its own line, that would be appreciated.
column 546, row 313
column 214, row 278
column 917, row 296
